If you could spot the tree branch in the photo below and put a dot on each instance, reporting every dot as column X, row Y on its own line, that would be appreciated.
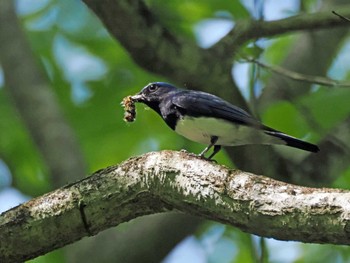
column 312, row 53
column 342, row 17
column 250, row 30
column 164, row 181
column 299, row 76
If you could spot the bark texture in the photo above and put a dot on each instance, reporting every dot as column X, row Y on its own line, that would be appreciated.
column 174, row 181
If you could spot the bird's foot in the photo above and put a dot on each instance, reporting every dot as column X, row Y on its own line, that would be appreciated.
column 205, row 158
column 201, row 156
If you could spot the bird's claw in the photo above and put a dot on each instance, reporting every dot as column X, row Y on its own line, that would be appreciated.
column 205, row 158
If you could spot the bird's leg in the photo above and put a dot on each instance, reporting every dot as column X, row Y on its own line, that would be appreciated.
column 213, row 140
column 217, row 148
column 205, row 150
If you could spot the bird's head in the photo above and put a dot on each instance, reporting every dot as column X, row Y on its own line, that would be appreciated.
column 153, row 94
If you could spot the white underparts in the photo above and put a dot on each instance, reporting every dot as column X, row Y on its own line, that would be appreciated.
column 201, row 130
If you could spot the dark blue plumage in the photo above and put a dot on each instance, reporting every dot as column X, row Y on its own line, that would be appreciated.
column 208, row 119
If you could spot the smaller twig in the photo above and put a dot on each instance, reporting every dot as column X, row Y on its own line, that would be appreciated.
column 301, row 77
column 342, row 17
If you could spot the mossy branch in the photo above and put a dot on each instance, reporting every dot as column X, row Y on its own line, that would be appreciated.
column 166, row 181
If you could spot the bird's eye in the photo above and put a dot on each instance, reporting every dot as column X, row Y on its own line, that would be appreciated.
column 152, row 88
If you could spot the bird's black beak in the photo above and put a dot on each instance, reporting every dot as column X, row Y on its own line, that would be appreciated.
column 138, row 97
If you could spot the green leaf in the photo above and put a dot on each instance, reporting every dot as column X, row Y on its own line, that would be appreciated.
column 328, row 107
column 285, row 117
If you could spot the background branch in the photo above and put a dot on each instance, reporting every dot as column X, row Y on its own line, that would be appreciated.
column 250, row 30
column 36, row 103
column 299, row 76
column 342, row 17
column 312, row 53
column 164, row 181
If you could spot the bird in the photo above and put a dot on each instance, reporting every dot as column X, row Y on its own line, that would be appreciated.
column 207, row 119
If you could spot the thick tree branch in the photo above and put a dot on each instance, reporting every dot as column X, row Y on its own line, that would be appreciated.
column 250, row 30
column 165, row 181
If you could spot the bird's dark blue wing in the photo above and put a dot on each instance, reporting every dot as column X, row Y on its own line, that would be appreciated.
column 201, row 104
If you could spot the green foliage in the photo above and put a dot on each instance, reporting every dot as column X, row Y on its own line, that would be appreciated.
column 19, row 152
column 56, row 256
column 287, row 118
column 180, row 16
column 328, row 108
column 97, row 117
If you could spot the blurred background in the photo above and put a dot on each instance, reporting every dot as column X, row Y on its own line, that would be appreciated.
column 63, row 76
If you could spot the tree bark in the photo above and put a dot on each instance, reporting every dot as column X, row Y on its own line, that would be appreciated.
column 174, row 181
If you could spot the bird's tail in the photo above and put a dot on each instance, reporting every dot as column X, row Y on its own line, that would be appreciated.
column 293, row 142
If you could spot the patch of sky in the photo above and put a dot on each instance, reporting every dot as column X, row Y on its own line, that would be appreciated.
column 44, row 22
column 71, row 16
column 271, row 9
column 78, row 66
column 28, row 7
column 210, row 31
column 241, row 74
column 1, row 78
column 217, row 246
column 286, row 252
column 211, row 236
column 189, row 250
column 340, row 67
column 41, row 22
column 10, row 197
column 212, row 246
column 5, row 175
column 258, row 88
column 224, row 251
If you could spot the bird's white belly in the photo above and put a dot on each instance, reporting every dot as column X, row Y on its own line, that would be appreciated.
column 203, row 128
